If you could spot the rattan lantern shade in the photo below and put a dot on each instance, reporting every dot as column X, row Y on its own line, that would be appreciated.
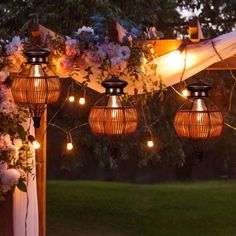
column 36, row 85
column 199, row 120
column 111, row 115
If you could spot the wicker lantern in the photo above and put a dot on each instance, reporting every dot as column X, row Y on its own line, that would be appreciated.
column 36, row 85
column 199, row 120
column 111, row 115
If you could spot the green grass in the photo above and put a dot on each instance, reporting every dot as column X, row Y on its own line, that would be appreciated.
column 86, row 208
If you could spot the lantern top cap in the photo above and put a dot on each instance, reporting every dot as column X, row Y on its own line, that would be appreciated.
column 37, row 54
column 199, row 89
column 114, row 85
column 199, row 86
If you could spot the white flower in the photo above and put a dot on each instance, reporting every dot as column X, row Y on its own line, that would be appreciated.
column 7, row 107
column 9, row 178
column 12, row 150
column 3, row 75
column 124, row 52
column 14, row 46
column 85, row 29
column 17, row 142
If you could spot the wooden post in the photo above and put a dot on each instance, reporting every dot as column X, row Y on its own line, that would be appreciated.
column 41, row 153
column 6, row 216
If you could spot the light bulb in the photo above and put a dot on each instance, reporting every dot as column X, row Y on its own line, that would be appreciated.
column 82, row 100
column 36, row 144
column 37, row 71
column 185, row 93
column 71, row 98
column 69, row 146
column 114, row 102
column 150, row 143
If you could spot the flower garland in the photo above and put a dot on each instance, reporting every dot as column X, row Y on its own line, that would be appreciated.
column 94, row 58
column 16, row 156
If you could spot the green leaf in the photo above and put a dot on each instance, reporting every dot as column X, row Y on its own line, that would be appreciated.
column 21, row 132
column 22, row 186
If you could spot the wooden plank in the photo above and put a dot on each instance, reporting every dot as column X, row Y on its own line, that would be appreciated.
column 6, row 216
column 41, row 174
column 162, row 46
column 227, row 64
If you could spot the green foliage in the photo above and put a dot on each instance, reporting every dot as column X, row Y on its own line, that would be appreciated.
column 216, row 16
column 21, row 185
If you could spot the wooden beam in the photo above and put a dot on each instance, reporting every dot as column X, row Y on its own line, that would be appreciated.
column 6, row 216
column 41, row 153
column 227, row 64
column 162, row 46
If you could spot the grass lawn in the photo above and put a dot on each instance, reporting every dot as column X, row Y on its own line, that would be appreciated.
column 84, row 208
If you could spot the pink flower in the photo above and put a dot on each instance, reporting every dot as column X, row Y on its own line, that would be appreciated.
column 3, row 167
column 81, row 62
column 118, row 65
column 124, row 52
column 4, row 141
column 9, row 179
column 64, row 65
column 93, row 58
column 72, row 48
column 110, row 49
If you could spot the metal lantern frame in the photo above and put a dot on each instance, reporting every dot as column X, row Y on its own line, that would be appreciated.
column 199, row 120
column 36, row 91
column 107, row 120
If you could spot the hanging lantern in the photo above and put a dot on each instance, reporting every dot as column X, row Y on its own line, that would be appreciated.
column 111, row 115
column 199, row 120
column 36, row 85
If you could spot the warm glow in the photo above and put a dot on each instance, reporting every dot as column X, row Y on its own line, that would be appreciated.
column 150, row 143
column 175, row 59
column 69, row 146
column 199, row 105
column 71, row 98
column 185, row 93
column 36, row 144
column 82, row 101
column 114, row 102
column 37, row 71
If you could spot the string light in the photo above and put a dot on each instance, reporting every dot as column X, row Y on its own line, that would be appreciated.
column 34, row 142
column 69, row 145
column 185, row 93
column 71, row 93
column 150, row 141
column 82, row 99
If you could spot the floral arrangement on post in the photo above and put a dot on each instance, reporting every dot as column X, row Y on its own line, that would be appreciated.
column 16, row 155
column 94, row 57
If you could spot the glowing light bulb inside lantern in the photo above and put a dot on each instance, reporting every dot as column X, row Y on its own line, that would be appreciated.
column 114, row 102
column 36, row 144
column 200, row 107
column 150, row 143
column 185, row 93
column 82, row 100
column 37, row 72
